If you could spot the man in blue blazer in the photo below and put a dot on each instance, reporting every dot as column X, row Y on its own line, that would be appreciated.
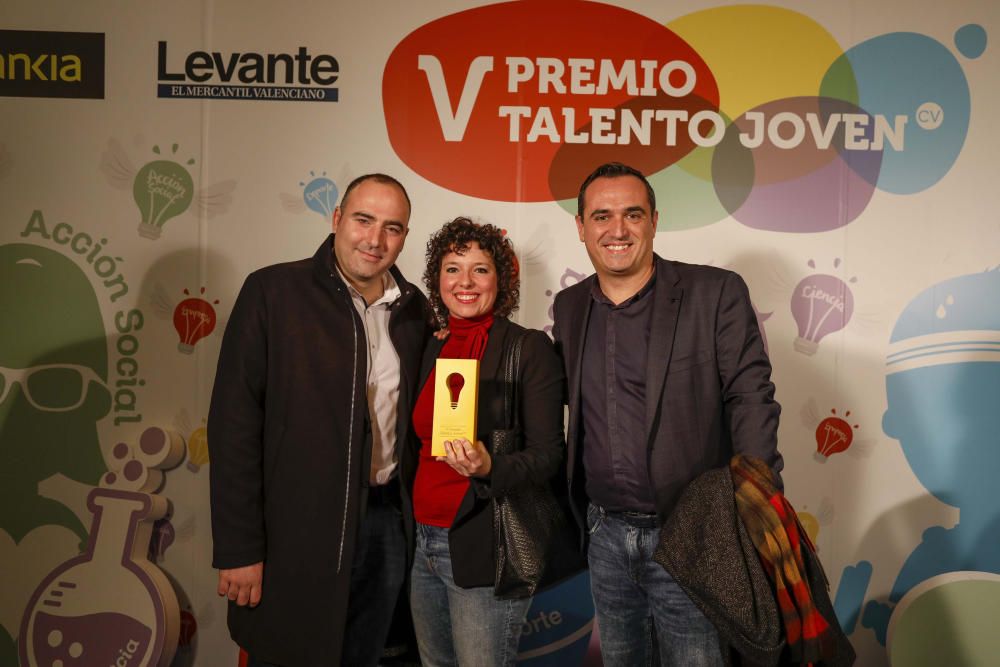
column 668, row 378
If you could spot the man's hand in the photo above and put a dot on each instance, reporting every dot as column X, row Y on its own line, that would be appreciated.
column 242, row 585
column 466, row 458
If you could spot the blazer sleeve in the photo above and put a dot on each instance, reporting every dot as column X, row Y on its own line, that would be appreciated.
column 557, row 329
column 750, row 410
column 540, row 400
column 235, row 434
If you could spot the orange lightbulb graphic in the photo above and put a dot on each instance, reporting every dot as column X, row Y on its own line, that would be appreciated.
column 194, row 318
column 455, row 382
column 189, row 626
column 833, row 435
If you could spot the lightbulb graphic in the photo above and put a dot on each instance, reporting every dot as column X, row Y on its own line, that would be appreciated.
column 163, row 535
column 455, row 382
column 568, row 279
column 197, row 444
column 811, row 525
column 194, row 318
column 162, row 189
column 833, row 435
column 320, row 195
column 821, row 304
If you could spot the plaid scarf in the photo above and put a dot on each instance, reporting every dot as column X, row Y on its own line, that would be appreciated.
column 778, row 537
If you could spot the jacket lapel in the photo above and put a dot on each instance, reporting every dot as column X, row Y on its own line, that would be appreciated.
column 489, row 366
column 575, row 334
column 572, row 339
column 667, row 295
column 431, row 353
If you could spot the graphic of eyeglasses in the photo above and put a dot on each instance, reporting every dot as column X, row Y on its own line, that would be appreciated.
column 50, row 387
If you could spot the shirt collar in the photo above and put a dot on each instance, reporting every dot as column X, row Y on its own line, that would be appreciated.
column 598, row 295
column 390, row 289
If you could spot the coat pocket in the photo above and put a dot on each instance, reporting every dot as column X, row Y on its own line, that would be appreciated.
column 688, row 361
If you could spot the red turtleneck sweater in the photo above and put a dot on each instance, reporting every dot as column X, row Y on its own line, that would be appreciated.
column 438, row 490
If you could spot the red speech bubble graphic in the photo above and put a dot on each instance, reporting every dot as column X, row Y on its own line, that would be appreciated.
column 481, row 102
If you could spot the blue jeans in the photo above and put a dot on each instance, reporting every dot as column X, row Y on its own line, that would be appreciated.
column 377, row 574
column 634, row 596
column 459, row 626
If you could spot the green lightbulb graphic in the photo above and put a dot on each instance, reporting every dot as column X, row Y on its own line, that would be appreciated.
column 162, row 189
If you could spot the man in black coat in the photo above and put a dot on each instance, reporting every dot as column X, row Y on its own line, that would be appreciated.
column 667, row 378
column 313, row 390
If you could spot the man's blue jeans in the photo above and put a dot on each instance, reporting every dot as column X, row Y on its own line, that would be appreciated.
column 377, row 574
column 634, row 595
column 459, row 626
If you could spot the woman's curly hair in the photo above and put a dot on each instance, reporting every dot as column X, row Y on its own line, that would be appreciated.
column 455, row 236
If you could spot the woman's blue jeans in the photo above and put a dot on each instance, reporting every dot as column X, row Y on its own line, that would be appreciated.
column 459, row 626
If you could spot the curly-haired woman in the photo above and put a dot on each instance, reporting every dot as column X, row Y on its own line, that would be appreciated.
column 472, row 279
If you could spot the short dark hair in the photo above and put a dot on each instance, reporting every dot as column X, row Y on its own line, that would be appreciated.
column 455, row 236
column 384, row 179
column 615, row 170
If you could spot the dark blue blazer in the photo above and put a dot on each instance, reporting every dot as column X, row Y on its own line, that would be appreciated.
column 708, row 383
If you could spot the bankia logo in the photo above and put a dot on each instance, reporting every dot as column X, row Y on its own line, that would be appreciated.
column 232, row 75
column 38, row 63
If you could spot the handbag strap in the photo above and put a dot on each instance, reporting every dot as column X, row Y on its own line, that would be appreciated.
column 511, row 362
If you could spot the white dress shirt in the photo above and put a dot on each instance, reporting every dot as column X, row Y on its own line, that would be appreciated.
column 383, row 377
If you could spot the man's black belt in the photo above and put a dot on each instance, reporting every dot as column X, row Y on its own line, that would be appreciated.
column 636, row 519
column 384, row 494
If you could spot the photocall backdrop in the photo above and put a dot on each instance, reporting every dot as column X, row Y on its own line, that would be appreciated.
column 840, row 156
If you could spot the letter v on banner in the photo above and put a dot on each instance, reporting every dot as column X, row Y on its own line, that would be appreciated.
column 453, row 125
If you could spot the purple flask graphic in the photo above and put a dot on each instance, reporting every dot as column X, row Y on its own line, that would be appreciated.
column 110, row 605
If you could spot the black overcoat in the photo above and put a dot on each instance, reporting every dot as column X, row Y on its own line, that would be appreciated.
column 289, row 458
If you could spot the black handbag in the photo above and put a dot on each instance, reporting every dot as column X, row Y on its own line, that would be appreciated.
column 535, row 545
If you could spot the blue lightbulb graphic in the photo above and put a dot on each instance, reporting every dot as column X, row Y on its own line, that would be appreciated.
column 320, row 195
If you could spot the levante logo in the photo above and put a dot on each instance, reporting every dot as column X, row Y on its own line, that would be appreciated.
column 35, row 63
column 295, row 77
